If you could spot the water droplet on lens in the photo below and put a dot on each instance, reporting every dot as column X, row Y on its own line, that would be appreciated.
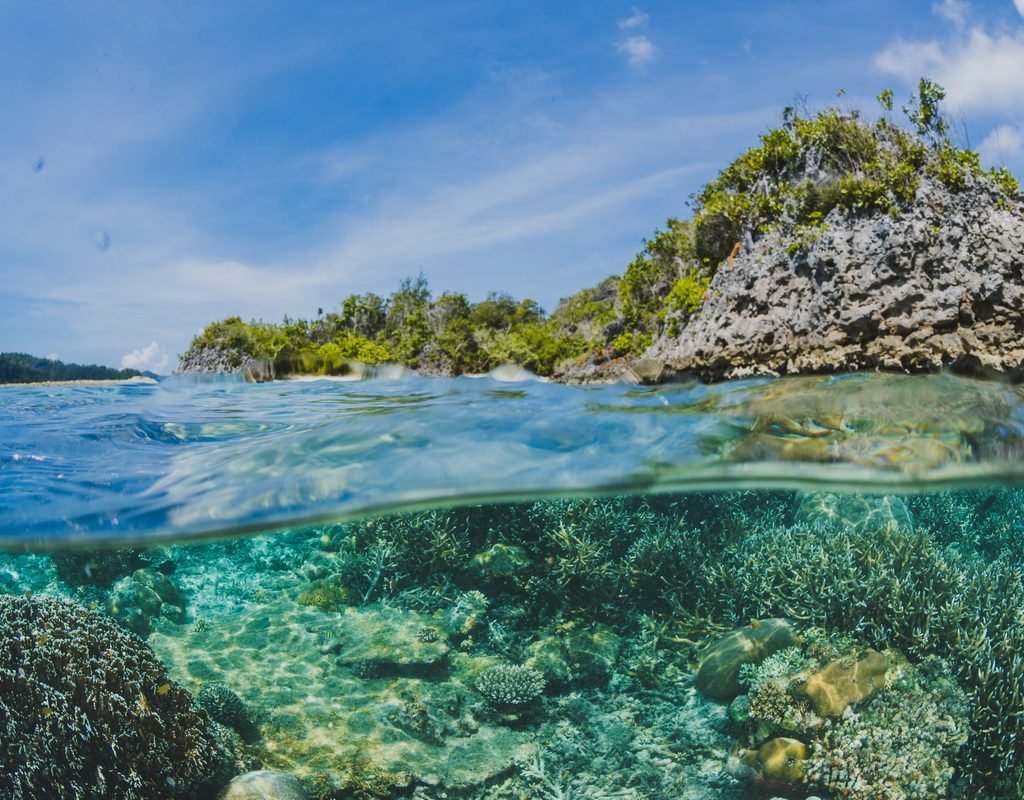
column 38, row 164
column 102, row 240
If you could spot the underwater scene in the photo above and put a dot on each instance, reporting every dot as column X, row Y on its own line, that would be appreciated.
column 499, row 588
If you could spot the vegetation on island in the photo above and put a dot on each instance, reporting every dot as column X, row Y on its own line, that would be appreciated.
column 801, row 174
column 23, row 368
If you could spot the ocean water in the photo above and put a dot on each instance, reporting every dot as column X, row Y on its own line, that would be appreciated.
column 500, row 588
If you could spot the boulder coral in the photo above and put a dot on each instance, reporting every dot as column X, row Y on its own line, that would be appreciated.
column 779, row 761
column 844, row 682
column 87, row 711
column 719, row 671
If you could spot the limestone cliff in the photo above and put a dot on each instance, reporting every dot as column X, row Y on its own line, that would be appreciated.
column 938, row 285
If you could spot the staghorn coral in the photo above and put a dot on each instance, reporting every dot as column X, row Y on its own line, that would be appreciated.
column 510, row 685
column 891, row 587
column 87, row 711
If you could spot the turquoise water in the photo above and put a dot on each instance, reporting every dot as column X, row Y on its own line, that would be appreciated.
column 504, row 588
column 187, row 458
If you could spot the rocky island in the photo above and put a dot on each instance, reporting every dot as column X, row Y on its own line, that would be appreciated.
column 836, row 244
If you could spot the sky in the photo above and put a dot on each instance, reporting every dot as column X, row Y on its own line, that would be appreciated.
column 166, row 164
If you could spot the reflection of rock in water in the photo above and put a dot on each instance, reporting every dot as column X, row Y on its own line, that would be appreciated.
column 343, row 698
column 908, row 424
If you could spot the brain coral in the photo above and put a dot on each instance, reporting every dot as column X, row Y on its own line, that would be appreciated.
column 87, row 711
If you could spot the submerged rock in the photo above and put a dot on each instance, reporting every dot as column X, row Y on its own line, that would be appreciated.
column 264, row 784
column 388, row 641
column 857, row 511
column 937, row 286
column 718, row 674
column 136, row 601
column 579, row 658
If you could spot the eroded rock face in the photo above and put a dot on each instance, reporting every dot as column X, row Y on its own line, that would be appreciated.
column 939, row 286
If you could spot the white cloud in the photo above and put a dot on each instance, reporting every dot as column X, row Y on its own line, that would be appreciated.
column 639, row 50
column 1020, row 6
column 954, row 10
column 980, row 71
column 638, row 19
column 149, row 358
column 1004, row 143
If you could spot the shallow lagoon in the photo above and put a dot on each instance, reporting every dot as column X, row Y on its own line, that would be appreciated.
column 500, row 589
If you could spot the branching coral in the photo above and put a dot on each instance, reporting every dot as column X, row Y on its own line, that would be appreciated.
column 510, row 685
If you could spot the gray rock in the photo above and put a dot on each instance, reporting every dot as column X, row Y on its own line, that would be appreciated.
column 212, row 360
column 264, row 785
column 938, row 286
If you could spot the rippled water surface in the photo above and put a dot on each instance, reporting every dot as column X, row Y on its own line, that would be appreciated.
column 188, row 458
column 499, row 588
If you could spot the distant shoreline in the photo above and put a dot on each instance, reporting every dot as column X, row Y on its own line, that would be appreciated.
column 141, row 379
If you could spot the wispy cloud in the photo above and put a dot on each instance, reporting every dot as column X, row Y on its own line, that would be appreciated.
column 954, row 11
column 1004, row 144
column 1020, row 6
column 639, row 50
column 639, row 18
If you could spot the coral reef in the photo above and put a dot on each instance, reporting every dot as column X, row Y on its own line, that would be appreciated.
column 508, row 685
column 901, row 745
column 865, row 725
column 890, row 587
column 87, row 711
column 613, row 608
column 223, row 706
column 845, row 681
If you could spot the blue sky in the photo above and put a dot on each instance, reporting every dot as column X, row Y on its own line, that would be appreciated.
column 166, row 164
